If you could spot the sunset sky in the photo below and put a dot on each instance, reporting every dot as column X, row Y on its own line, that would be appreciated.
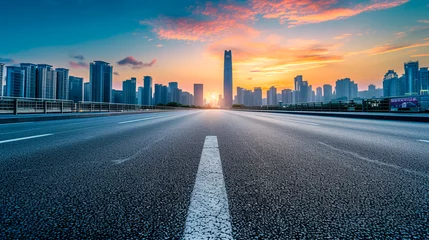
column 272, row 41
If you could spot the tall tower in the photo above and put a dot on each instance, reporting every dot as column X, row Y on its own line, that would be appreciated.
column 198, row 95
column 147, row 90
column 100, row 77
column 62, row 83
column 412, row 78
column 227, row 79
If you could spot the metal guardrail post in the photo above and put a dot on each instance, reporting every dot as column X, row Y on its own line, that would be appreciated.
column 45, row 107
column 15, row 106
column 62, row 107
column 109, row 107
column 363, row 105
column 340, row 107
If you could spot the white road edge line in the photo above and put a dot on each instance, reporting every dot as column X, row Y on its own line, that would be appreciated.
column 25, row 138
column 138, row 120
column 425, row 141
column 208, row 214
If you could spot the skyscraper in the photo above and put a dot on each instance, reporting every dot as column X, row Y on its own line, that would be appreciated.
column 147, row 91
column 46, row 79
column 15, row 81
column 286, row 96
column 424, row 81
column 319, row 95
column 198, row 95
column 87, row 95
column 346, row 89
column 1, row 79
column 140, row 95
column 101, row 81
column 412, row 78
column 227, row 79
column 62, row 83
column 129, row 91
column 272, row 96
column 75, row 89
column 173, row 92
column 240, row 95
column 257, row 96
column 327, row 93
column 30, row 79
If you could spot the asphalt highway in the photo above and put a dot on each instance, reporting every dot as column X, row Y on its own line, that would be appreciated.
column 214, row 174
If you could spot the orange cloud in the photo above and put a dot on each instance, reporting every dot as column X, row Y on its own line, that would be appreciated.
column 273, row 58
column 388, row 48
column 299, row 12
column 421, row 55
column 343, row 36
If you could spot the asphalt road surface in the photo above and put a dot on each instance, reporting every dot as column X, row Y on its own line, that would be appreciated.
column 214, row 174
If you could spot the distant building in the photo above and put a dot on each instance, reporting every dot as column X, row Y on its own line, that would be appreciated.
column 412, row 78
column 30, row 79
column 198, row 95
column 227, row 79
column 140, row 92
column 117, row 96
column 327, row 93
column 287, row 96
column 392, row 85
column 257, row 96
column 87, row 97
column 15, row 81
column 319, row 95
column 240, row 95
column 147, row 91
column 1, row 79
column 186, row 99
column 101, row 81
column 62, row 83
column 129, row 91
column 75, row 89
column 173, row 92
column 346, row 89
column 46, row 82
column 424, row 81
column 272, row 96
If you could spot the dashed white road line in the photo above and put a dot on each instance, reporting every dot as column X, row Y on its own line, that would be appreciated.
column 25, row 138
column 425, row 141
column 208, row 213
column 138, row 120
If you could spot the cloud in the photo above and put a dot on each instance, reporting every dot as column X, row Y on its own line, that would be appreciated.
column 159, row 45
column 423, row 21
column 135, row 64
column 388, row 48
column 116, row 73
column 6, row 60
column 276, row 58
column 343, row 36
column 420, row 55
column 219, row 20
column 299, row 12
column 77, row 57
column 74, row 64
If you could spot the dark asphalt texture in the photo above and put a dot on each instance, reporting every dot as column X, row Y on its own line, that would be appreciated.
column 286, row 176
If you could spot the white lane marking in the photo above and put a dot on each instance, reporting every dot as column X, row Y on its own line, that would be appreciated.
column 208, row 213
column 425, row 141
column 25, row 138
column 138, row 120
column 376, row 161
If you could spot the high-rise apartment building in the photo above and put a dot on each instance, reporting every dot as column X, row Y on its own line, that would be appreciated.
column 257, row 96
column 87, row 92
column 147, row 91
column 101, row 81
column 1, row 79
column 198, row 95
column 424, row 81
column 15, row 81
column 129, row 91
column 240, row 95
column 75, row 89
column 287, row 97
column 272, row 96
column 346, row 89
column 62, row 83
column 327, row 93
column 319, row 95
column 30, row 79
column 412, row 78
column 46, row 86
column 140, row 91
column 173, row 92
column 227, row 79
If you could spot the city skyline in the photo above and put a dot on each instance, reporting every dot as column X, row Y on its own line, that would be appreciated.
column 324, row 41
